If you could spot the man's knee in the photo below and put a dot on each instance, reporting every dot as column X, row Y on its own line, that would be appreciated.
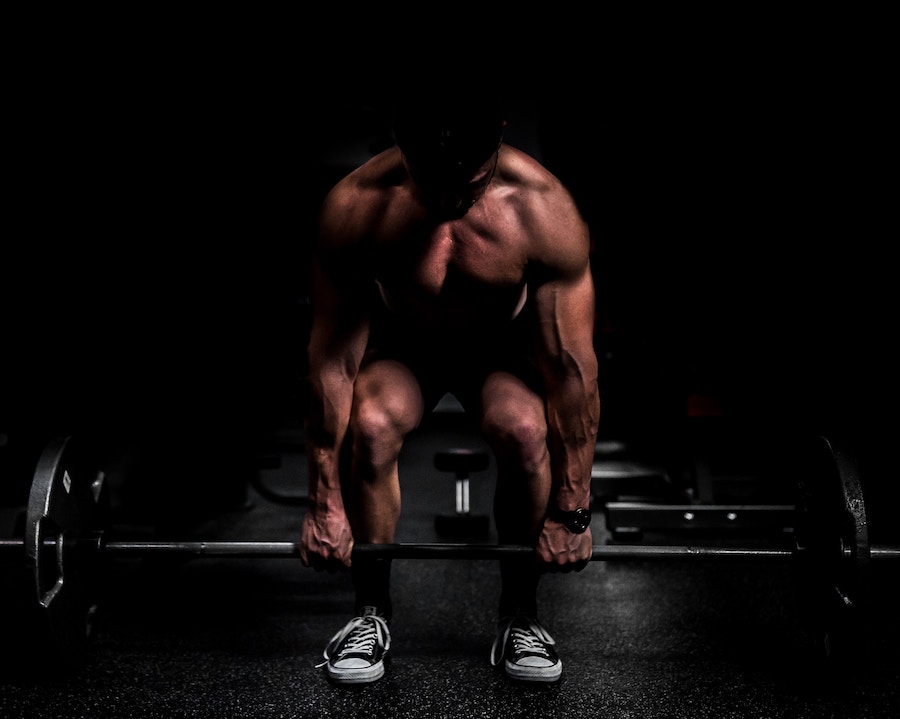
column 378, row 429
column 373, row 432
column 517, row 436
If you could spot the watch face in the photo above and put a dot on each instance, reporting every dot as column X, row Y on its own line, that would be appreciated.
column 581, row 520
column 576, row 521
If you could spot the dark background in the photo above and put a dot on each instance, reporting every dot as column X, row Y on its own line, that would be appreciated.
column 167, row 171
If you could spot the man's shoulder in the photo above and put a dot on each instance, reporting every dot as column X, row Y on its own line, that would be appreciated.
column 366, row 183
column 381, row 170
column 528, row 175
column 556, row 231
column 360, row 202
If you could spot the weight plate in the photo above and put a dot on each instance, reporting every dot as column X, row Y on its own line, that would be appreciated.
column 68, row 509
column 833, row 548
column 853, row 509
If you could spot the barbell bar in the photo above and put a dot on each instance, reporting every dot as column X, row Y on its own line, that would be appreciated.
column 261, row 549
column 66, row 536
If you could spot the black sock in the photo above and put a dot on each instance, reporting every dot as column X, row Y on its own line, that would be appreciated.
column 518, row 587
column 371, row 580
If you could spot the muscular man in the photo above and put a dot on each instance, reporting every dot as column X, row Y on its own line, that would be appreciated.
column 451, row 262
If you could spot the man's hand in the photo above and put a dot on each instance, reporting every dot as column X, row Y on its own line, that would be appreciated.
column 559, row 550
column 326, row 541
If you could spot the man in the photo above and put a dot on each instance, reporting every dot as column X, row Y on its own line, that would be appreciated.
column 451, row 262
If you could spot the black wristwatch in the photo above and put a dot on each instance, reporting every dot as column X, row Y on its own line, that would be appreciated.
column 577, row 521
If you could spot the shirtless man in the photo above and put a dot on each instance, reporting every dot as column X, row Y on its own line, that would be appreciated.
column 451, row 262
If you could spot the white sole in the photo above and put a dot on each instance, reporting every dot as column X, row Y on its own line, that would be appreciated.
column 534, row 674
column 357, row 676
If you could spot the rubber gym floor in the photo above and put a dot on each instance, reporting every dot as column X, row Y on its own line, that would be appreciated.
column 242, row 638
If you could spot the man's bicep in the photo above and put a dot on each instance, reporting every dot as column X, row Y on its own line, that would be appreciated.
column 565, row 311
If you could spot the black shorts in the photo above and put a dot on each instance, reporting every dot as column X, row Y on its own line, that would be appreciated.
column 458, row 363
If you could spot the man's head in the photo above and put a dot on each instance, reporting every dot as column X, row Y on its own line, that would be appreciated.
column 449, row 143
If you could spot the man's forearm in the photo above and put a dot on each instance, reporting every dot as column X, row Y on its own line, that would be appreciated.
column 326, row 428
column 573, row 415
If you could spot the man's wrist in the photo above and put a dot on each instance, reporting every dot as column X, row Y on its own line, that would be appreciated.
column 326, row 499
column 576, row 521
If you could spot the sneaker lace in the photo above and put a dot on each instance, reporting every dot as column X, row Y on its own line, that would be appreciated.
column 527, row 635
column 526, row 641
column 361, row 639
column 361, row 635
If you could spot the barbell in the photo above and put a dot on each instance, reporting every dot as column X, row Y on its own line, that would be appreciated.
column 67, row 535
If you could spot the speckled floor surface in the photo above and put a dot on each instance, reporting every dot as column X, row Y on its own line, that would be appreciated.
column 241, row 638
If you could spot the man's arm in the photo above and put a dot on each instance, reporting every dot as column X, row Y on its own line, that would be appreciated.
column 565, row 310
column 338, row 336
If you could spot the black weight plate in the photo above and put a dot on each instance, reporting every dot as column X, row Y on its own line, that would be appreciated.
column 69, row 506
column 853, row 509
column 833, row 543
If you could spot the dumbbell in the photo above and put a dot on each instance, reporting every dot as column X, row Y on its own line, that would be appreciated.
column 462, row 524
